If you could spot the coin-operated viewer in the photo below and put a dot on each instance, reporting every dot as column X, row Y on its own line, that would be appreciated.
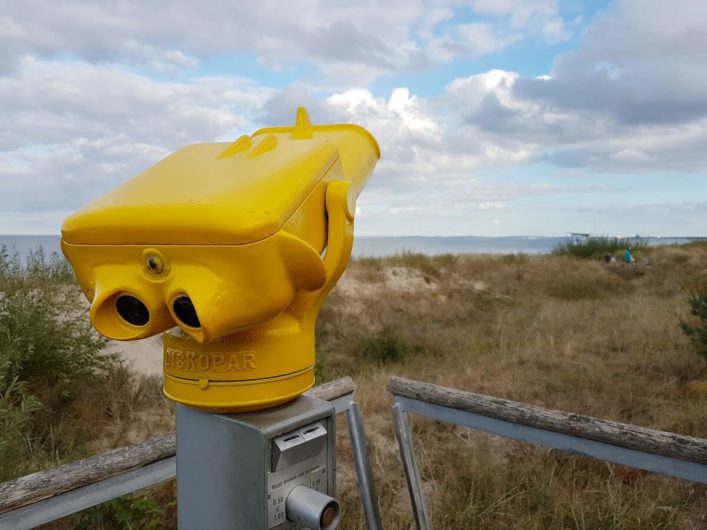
column 235, row 244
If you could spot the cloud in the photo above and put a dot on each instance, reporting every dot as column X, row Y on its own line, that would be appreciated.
column 482, row 38
column 50, row 101
column 350, row 44
column 72, row 130
column 631, row 97
column 94, row 93
column 540, row 17
column 554, row 31
column 630, row 156
column 520, row 12
column 641, row 63
column 492, row 205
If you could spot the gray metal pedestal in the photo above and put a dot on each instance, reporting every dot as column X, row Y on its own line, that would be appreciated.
column 236, row 471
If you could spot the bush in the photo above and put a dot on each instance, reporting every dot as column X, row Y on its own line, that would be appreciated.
column 321, row 374
column 20, row 413
column 696, row 329
column 49, row 353
column 598, row 247
column 123, row 513
column 384, row 347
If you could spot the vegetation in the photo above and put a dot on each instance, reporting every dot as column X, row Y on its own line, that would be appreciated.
column 47, row 355
column 130, row 512
column 62, row 396
column 384, row 347
column 696, row 328
column 598, row 247
column 558, row 331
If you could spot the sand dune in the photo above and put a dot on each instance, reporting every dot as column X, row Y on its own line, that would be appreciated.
column 143, row 356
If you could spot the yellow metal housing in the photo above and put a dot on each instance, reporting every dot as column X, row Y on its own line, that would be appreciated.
column 239, row 231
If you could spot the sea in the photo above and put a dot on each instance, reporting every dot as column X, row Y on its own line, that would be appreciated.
column 381, row 246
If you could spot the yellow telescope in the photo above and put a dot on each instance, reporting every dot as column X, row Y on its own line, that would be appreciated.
column 236, row 244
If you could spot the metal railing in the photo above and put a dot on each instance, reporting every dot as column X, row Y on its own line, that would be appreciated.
column 48, row 495
column 657, row 451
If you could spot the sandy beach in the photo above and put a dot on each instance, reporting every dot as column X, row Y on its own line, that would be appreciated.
column 144, row 356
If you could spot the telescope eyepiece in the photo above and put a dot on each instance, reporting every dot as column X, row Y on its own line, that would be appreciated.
column 132, row 310
column 185, row 312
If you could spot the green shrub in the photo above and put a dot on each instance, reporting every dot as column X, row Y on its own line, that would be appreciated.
column 696, row 329
column 598, row 247
column 20, row 415
column 384, row 347
column 45, row 338
column 49, row 354
column 321, row 374
column 123, row 513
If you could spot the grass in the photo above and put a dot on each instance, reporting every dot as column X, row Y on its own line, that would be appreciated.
column 558, row 331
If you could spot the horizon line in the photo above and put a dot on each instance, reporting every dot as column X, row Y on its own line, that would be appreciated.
column 567, row 235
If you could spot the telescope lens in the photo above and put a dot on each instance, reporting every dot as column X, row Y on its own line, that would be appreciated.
column 184, row 309
column 132, row 310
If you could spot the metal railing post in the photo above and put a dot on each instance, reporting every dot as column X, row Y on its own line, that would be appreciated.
column 363, row 468
column 412, row 474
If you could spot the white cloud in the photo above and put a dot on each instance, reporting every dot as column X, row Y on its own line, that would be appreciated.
column 73, row 130
column 555, row 31
column 349, row 43
column 630, row 155
column 493, row 205
column 470, row 93
column 532, row 16
column 480, row 38
column 520, row 11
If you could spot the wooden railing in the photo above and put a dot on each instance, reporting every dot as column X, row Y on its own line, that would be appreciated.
column 47, row 495
column 663, row 452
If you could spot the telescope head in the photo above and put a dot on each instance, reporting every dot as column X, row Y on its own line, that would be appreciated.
column 236, row 245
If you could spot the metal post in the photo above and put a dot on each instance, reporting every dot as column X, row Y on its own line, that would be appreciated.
column 363, row 467
column 412, row 474
column 239, row 471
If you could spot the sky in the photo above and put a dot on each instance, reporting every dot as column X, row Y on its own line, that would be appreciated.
column 494, row 117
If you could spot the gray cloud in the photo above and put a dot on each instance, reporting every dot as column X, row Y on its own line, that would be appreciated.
column 348, row 43
column 280, row 106
column 642, row 63
column 50, row 102
column 71, row 131
column 632, row 97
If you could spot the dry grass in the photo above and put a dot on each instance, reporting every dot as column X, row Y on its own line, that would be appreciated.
column 553, row 331
column 127, row 409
